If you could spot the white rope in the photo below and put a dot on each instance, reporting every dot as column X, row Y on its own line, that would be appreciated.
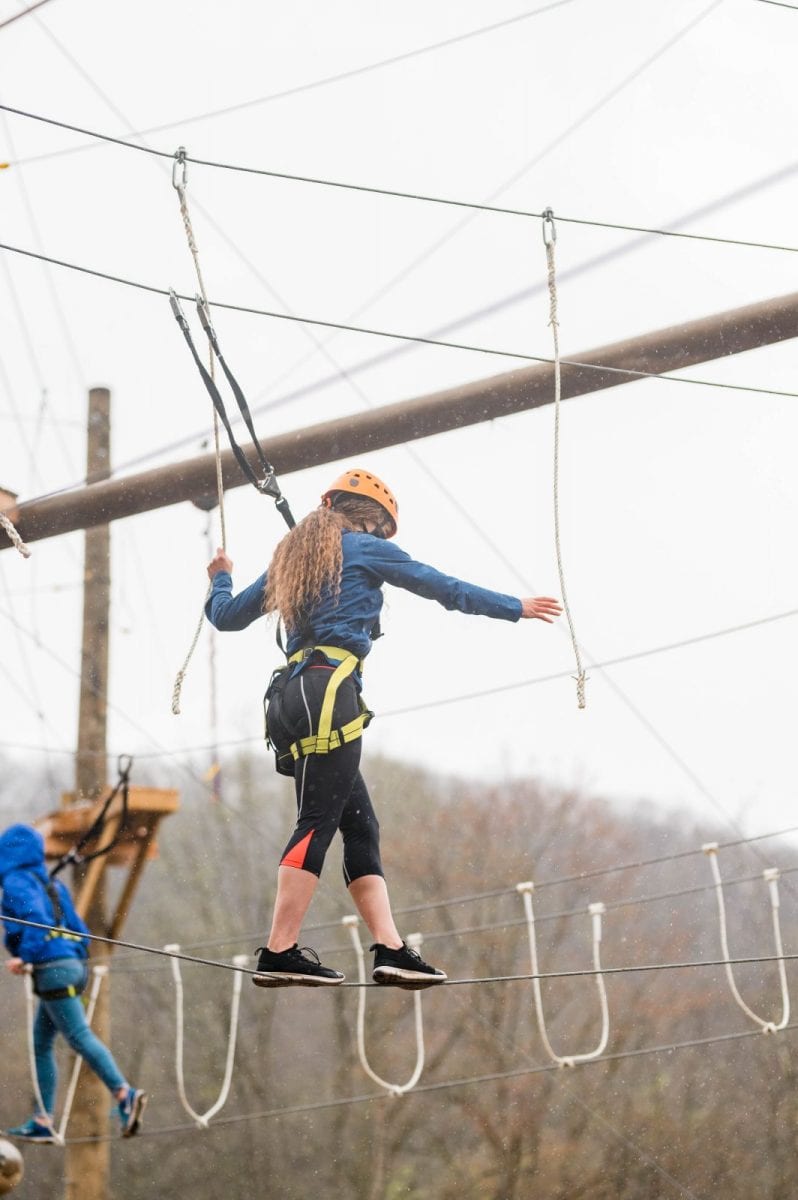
column 179, row 183
column 13, row 536
column 203, row 1119
column 413, row 941
column 771, row 877
column 596, row 912
column 99, row 973
column 549, row 238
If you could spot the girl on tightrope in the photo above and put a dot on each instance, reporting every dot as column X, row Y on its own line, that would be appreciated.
column 57, row 960
column 325, row 582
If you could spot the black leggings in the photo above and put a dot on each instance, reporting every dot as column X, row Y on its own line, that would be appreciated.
column 330, row 791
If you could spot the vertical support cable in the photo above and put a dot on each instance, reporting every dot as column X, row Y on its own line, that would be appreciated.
column 414, row 941
column 771, row 877
column 596, row 912
column 549, row 239
column 203, row 1119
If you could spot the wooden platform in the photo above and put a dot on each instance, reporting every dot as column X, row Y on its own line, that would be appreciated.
column 137, row 843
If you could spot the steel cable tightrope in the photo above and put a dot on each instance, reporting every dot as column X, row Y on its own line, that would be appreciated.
column 202, row 1120
column 446, row 201
column 414, row 941
column 629, row 969
column 771, row 877
column 521, row 356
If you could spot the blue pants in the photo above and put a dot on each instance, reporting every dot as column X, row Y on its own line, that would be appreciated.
column 68, row 1018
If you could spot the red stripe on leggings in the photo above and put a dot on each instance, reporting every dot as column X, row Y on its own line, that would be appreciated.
column 296, row 856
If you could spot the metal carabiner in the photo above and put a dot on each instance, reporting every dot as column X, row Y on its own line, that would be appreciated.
column 180, row 165
column 549, row 228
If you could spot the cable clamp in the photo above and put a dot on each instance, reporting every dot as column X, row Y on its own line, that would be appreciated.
column 709, row 848
column 240, row 960
column 180, row 170
column 525, row 889
column 771, row 874
column 350, row 922
column 549, row 228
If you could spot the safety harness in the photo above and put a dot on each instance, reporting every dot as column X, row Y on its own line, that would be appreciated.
column 325, row 738
column 67, row 935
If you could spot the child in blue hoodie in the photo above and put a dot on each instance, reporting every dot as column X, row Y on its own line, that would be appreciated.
column 57, row 960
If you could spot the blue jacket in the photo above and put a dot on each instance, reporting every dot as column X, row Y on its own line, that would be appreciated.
column 368, row 562
column 24, row 879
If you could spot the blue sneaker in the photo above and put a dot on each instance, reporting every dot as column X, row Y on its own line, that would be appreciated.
column 130, row 1110
column 32, row 1131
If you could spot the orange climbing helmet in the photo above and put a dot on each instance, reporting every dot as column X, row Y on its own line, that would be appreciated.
column 363, row 483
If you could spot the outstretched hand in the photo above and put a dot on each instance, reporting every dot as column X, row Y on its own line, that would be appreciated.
column 15, row 965
column 545, row 608
column 220, row 562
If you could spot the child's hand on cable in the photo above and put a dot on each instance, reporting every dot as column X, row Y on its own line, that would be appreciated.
column 545, row 608
column 220, row 562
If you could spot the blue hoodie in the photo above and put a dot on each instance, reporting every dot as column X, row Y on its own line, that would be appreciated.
column 24, row 880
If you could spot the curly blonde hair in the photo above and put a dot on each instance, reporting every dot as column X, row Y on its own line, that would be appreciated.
column 309, row 559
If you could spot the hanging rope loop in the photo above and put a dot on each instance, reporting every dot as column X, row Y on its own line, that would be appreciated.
column 414, row 942
column 549, row 238
column 596, row 912
column 771, row 878
column 202, row 1120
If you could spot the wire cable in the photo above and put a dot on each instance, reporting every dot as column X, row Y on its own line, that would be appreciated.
column 634, row 656
column 585, row 972
column 31, row 8
column 494, row 1077
column 403, row 337
column 310, row 85
column 395, row 193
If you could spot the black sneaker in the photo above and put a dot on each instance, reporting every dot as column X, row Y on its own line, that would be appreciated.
column 293, row 967
column 403, row 968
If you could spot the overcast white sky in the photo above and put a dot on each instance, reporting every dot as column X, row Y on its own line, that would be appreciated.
column 678, row 502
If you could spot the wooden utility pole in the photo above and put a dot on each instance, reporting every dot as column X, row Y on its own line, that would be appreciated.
column 88, row 1164
column 671, row 349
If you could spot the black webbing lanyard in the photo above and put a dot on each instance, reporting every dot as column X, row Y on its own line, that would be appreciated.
column 123, row 766
column 268, row 485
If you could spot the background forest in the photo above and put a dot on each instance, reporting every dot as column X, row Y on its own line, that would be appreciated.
column 707, row 1121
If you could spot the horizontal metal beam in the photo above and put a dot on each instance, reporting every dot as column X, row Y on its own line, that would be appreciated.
column 664, row 350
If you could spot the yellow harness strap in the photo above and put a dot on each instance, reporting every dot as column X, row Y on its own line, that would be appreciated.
column 326, row 738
